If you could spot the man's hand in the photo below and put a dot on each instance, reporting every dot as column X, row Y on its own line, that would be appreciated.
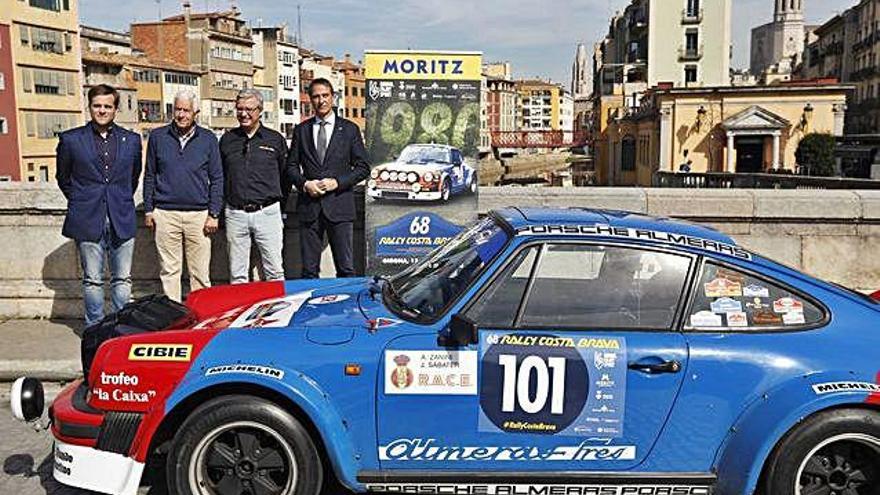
column 149, row 221
column 211, row 225
column 314, row 188
column 329, row 184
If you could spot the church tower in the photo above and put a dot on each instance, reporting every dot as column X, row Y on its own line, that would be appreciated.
column 789, row 11
column 581, row 73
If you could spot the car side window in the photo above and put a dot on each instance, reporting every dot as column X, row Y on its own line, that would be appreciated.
column 586, row 286
column 726, row 298
column 498, row 305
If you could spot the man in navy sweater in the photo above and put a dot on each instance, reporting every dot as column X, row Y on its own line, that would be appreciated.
column 183, row 195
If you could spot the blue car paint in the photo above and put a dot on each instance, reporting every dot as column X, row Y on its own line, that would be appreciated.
column 736, row 396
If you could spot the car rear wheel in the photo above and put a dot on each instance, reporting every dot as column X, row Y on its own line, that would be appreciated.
column 243, row 445
column 836, row 452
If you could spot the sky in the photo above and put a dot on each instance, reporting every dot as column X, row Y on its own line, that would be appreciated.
column 538, row 38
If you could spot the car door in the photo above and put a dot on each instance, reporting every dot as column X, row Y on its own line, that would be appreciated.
column 576, row 367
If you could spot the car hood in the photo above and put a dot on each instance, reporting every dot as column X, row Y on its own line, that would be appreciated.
column 303, row 304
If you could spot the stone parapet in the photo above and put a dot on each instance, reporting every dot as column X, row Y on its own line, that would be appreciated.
column 830, row 234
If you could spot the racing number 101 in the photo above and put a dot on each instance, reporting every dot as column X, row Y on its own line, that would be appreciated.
column 515, row 388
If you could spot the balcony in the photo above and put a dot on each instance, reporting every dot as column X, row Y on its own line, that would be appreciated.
column 690, row 53
column 864, row 73
column 691, row 16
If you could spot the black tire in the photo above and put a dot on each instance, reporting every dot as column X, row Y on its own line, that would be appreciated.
column 243, row 444
column 834, row 452
column 446, row 191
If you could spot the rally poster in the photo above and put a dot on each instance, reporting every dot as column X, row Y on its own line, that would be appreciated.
column 422, row 133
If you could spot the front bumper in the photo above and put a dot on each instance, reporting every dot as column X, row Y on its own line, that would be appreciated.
column 403, row 194
column 93, row 469
column 92, row 447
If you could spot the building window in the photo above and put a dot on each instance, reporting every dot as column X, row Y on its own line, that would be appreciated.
column 690, row 74
column 693, row 8
column 146, row 75
column 691, row 41
column 53, row 5
column 44, row 173
column 628, row 154
column 2, row 81
column 4, row 126
column 150, row 111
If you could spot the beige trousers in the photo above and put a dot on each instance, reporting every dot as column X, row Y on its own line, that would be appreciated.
column 178, row 232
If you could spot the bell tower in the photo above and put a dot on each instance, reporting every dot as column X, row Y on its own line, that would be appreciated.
column 789, row 11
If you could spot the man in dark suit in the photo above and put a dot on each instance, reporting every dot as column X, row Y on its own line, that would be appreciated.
column 327, row 158
column 98, row 167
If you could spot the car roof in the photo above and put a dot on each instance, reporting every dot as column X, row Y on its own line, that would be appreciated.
column 430, row 145
column 527, row 217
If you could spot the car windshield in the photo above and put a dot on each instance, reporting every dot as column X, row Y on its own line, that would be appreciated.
column 424, row 154
column 425, row 289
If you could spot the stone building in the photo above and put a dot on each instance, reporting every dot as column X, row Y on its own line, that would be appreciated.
column 777, row 47
column 216, row 44
column 40, row 92
column 721, row 129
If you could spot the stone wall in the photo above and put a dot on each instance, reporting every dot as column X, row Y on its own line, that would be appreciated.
column 831, row 234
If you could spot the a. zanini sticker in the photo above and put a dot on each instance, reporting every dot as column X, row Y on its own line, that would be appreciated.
column 251, row 369
column 523, row 489
column 428, row 449
column 272, row 313
column 431, row 372
column 831, row 387
column 160, row 352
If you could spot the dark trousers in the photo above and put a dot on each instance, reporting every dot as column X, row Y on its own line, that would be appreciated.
column 311, row 236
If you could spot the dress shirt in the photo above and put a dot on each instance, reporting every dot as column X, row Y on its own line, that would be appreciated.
column 328, row 127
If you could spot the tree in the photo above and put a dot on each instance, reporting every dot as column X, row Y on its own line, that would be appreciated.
column 815, row 153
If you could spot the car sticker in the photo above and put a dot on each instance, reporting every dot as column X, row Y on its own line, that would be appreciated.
column 329, row 299
column 737, row 319
column 249, row 369
column 602, row 230
column 430, row 372
column 833, row 387
column 793, row 318
column 432, row 449
column 271, row 313
column 731, row 275
column 725, row 305
column 765, row 317
column 705, row 319
column 722, row 287
column 787, row 304
column 586, row 384
column 754, row 290
column 757, row 304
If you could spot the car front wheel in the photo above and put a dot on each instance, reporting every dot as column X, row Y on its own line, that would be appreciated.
column 446, row 190
column 243, row 445
column 835, row 452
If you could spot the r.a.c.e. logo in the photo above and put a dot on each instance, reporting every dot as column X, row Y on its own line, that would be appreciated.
column 160, row 352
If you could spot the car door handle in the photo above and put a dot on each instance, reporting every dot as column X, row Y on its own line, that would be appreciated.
column 672, row 366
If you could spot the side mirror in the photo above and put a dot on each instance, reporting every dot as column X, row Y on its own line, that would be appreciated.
column 462, row 331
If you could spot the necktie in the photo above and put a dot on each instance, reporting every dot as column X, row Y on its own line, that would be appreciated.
column 322, row 141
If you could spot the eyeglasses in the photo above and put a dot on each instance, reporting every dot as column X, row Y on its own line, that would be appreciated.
column 247, row 109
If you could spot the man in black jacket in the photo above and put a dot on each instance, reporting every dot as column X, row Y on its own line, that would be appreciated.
column 326, row 159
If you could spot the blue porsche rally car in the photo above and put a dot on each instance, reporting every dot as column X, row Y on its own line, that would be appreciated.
column 539, row 352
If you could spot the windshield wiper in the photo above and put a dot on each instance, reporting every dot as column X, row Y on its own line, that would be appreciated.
column 396, row 298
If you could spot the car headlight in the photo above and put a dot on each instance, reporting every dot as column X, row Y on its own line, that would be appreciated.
column 429, row 176
column 371, row 183
column 374, row 174
column 416, row 187
column 393, row 176
column 401, row 177
column 384, row 175
column 412, row 177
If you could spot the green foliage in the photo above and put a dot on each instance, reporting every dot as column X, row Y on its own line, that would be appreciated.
column 815, row 153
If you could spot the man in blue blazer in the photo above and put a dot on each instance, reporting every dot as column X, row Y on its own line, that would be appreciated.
column 98, row 167
column 326, row 160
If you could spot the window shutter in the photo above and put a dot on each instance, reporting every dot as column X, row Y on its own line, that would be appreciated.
column 27, row 80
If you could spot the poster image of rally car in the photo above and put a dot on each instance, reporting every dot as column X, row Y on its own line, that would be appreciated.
column 539, row 351
column 423, row 172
